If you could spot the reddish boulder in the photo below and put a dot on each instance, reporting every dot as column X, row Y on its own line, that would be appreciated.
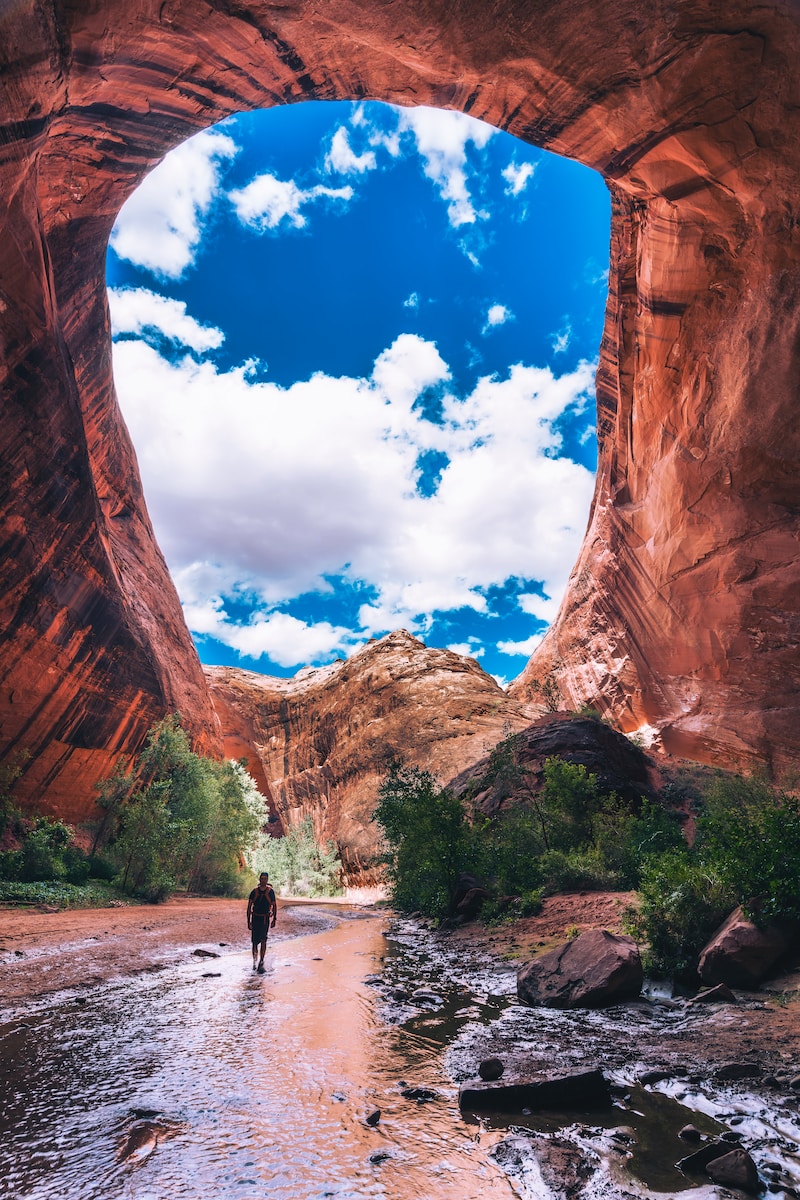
column 735, row 1170
column 592, row 970
column 741, row 953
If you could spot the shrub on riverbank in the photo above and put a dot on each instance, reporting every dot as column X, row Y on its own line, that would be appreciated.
column 299, row 865
column 178, row 820
column 565, row 836
column 746, row 851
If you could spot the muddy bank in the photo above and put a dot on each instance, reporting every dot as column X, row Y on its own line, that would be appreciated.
column 44, row 952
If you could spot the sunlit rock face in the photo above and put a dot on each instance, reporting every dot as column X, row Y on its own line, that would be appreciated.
column 682, row 613
column 322, row 741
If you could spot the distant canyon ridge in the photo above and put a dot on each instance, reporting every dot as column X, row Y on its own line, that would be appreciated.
column 682, row 615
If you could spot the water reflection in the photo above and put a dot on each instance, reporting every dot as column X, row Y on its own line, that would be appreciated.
column 187, row 1083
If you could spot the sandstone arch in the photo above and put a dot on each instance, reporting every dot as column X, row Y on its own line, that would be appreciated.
column 683, row 609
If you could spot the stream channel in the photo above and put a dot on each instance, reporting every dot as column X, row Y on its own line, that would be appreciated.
column 205, row 1080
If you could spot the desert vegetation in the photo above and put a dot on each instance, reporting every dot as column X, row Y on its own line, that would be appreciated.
column 173, row 821
column 568, row 835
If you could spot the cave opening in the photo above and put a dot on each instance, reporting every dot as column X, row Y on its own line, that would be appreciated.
column 355, row 347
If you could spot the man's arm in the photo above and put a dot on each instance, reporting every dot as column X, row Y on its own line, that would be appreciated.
column 250, row 913
column 273, row 904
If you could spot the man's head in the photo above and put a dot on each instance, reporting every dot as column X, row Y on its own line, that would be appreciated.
column 263, row 880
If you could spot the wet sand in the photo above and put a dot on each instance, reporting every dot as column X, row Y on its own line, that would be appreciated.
column 43, row 952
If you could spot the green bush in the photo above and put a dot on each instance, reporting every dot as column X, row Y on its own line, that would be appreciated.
column 750, row 831
column 429, row 842
column 681, row 902
column 180, row 820
column 299, row 865
column 60, row 894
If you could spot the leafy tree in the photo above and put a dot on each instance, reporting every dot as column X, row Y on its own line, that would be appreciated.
column 298, row 864
column 181, row 820
column 428, row 839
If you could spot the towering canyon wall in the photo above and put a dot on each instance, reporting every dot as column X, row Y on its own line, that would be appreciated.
column 682, row 612
column 321, row 742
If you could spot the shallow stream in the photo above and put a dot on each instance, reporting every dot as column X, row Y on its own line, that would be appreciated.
column 206, row 1080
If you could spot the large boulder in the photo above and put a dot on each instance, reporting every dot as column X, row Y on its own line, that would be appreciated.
column 741, row 953
column 593, row 970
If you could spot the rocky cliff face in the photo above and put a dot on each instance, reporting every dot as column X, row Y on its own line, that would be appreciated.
column 321, row 741
column 684, row 610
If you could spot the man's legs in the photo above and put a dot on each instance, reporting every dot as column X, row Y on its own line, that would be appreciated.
column 263, row 952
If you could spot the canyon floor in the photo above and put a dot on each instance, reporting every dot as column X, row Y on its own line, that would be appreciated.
column 43, row 952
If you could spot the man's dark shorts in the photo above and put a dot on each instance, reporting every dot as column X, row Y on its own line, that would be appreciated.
column 260, row 929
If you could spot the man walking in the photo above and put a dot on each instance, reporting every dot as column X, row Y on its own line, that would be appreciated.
column 261, row 905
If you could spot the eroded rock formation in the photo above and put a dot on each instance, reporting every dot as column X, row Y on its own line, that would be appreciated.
column 682, row 613
column 322, row 740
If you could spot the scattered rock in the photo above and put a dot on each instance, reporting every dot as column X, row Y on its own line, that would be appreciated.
column 470, row 906
column 423, row 996
column 211, row 975
column 741, row 953
column 400, row 994
column 379, row 1156
column 735, row 1169
column 374, row 1117
column 420, row 1094
column 699, row 1159
column 597, row 968
column 738, row 1070
column 690, row 1133
column 721, row 994
column 205, row 953
column 586, row 1089
column 490, row 1069
column 650, row 1077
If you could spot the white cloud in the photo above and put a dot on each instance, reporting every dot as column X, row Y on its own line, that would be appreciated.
column 521, row 649
column 343, row 159
column 160, row 225
column 412, row 301
column 498, row 314
column 267, row 201
column 517, row 177
column 470, row 649
column 262, row 492
column 284, row 639
column 441, row 140
column 134, row 310
column 562, row 339
column 541, row 607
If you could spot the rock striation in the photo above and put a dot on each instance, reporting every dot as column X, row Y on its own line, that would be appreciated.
column 321, row 741
column 683, row 612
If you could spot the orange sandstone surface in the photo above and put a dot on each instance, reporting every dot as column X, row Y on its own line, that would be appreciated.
column 321, row 742
column 683, row 612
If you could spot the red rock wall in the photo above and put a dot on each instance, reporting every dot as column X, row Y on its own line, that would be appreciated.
column 322, row 740
column 683, row 609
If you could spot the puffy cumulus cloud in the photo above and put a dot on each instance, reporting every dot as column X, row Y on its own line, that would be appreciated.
column 441, row 139
column 267, row 201
column 343, row 159
column 268, row 492
column 412, row 301
column 136, row 310
column 522, row 649
column 469, row 649
column 542, row 607
column 497, row 315
column 160, row 225
column 517, row 177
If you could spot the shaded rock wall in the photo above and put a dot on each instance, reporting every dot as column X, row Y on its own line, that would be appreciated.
column 682, row 612
column 619, row 765
column 323, row 739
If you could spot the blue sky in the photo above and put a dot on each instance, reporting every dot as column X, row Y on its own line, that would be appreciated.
column 355, row 346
